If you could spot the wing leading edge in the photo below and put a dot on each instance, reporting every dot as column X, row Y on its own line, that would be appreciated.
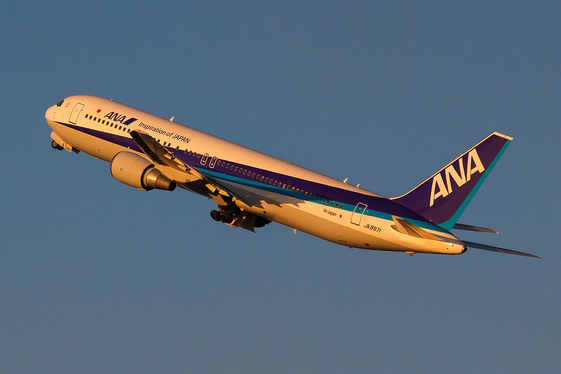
column 184, row 173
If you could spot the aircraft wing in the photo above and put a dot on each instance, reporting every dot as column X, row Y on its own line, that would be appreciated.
column 161, row 155
column 197, row 181
column 191, row 178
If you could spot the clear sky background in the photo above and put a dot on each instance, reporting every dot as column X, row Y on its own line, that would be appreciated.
column 97, row 277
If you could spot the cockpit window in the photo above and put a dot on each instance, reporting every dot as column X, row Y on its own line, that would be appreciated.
column 60, row 103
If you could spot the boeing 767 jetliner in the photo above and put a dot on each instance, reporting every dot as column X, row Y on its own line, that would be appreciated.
column 252, row 189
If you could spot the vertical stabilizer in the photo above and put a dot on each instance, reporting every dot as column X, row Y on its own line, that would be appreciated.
column 443, row 197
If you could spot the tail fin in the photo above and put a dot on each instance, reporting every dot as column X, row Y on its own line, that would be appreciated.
column 444, row 196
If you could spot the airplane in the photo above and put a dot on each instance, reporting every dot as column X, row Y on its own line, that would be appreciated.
column 252, row 189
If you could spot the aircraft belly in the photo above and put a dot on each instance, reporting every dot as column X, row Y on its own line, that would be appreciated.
column 336, row 231
column 331, row 224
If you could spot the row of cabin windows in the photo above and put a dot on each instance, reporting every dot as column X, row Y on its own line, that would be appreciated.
column 261, row 178
column 119, row 127
column 108, row 123
column 232, row 167
column 276, row 183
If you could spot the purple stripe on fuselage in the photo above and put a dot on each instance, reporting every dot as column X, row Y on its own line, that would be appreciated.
column 374, row 203
column 129, row 121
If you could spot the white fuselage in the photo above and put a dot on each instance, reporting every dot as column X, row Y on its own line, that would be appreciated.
column 267, row 186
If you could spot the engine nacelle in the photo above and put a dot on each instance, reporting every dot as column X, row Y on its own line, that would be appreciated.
column 136, row 171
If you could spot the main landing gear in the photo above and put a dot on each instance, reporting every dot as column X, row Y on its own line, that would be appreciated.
column 225, row 215
column 234, row 217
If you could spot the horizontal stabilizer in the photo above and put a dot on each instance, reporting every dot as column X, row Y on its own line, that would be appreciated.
column 461, row 226
column 497, row 249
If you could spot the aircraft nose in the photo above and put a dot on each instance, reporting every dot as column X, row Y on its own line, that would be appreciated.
column 50, row 114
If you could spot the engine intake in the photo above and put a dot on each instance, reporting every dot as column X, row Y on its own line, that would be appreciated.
column 136, row 171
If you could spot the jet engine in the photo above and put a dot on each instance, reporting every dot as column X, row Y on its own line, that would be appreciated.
column 136, row 171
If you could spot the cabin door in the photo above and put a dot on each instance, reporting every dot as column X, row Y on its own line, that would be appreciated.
column 357, row 213
column 75, row 112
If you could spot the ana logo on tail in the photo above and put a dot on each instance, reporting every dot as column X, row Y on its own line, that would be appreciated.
column 441, row 189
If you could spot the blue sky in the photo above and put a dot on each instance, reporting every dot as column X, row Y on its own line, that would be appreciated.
column 96, row 277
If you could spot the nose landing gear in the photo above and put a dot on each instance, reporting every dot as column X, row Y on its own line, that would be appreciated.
column 56, row 146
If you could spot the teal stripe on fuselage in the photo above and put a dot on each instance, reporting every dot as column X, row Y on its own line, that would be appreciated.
column 344, row 206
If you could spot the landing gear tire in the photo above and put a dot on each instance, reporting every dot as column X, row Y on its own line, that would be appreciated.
column 260, row 221
column 56, row 146
column 224, row 215
column 227, row 216
column 216, row 215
